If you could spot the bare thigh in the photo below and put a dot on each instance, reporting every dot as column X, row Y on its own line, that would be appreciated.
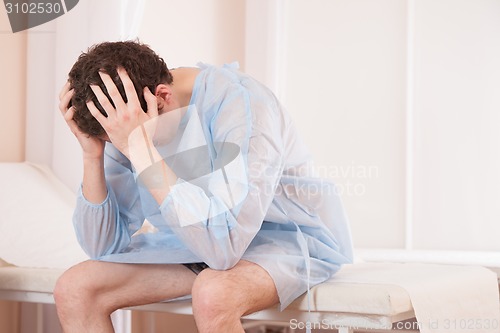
column 117, row 285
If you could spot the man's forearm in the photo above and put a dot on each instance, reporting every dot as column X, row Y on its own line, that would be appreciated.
column 94, row 182
column 154, row 173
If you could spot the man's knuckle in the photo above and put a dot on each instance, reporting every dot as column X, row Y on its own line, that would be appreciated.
column 105, row 103
column 128, row 85
column 114, row 93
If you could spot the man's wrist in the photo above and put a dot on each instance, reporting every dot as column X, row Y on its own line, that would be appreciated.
column 93, row 157
column 94, row 183
column 144, row 158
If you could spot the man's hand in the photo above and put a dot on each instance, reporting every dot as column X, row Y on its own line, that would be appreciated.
column 124, row 118
column 93, row 148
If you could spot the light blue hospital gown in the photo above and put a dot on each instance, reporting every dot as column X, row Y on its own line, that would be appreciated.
column 278, row 214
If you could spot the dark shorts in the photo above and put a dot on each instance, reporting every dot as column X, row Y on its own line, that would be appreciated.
column 196, row 267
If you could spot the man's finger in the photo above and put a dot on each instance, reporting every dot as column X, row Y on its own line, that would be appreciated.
column 96, row 113
column 128, row 85
column 113, row 91
column 64, row 90
column 64, row 101
column 103, row 99
column 68, row 116
column 151, row 102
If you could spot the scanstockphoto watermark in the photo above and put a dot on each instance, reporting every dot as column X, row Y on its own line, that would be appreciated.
column 26, row 14
column 324, row 324
column 452, row 325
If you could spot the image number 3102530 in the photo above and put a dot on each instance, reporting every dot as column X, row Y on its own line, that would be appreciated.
column 26, row 14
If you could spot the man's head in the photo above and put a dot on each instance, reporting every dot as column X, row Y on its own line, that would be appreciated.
column 144, row 67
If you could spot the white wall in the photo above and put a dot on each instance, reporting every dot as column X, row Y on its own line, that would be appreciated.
column 411, row 89
column 12, row 92
column 346, row 91
column 457, row 122
column 187, row 32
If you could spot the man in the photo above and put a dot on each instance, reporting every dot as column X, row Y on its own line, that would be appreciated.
column 213, row 163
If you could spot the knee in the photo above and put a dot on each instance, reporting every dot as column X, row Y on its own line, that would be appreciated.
column 74, row 289
column 212, row 300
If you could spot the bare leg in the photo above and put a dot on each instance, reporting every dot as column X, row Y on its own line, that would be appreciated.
column 221, row 298
column 89, row 292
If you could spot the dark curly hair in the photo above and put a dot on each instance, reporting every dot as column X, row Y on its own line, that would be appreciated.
column 143, row 65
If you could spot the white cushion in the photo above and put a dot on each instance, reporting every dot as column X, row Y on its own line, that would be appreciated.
column 330, row 296
column 362, row 298
column 14, row 278
column 35, row 218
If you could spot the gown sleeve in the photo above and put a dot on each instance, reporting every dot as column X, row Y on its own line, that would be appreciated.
column 218, row 222
column 107, row 227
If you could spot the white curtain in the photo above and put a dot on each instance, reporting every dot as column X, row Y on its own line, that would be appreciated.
column 132, row 12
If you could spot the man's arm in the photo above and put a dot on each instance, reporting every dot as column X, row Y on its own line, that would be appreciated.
column 98, row 225
column 94, row 184
column 108, row 208
column 94, row 181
